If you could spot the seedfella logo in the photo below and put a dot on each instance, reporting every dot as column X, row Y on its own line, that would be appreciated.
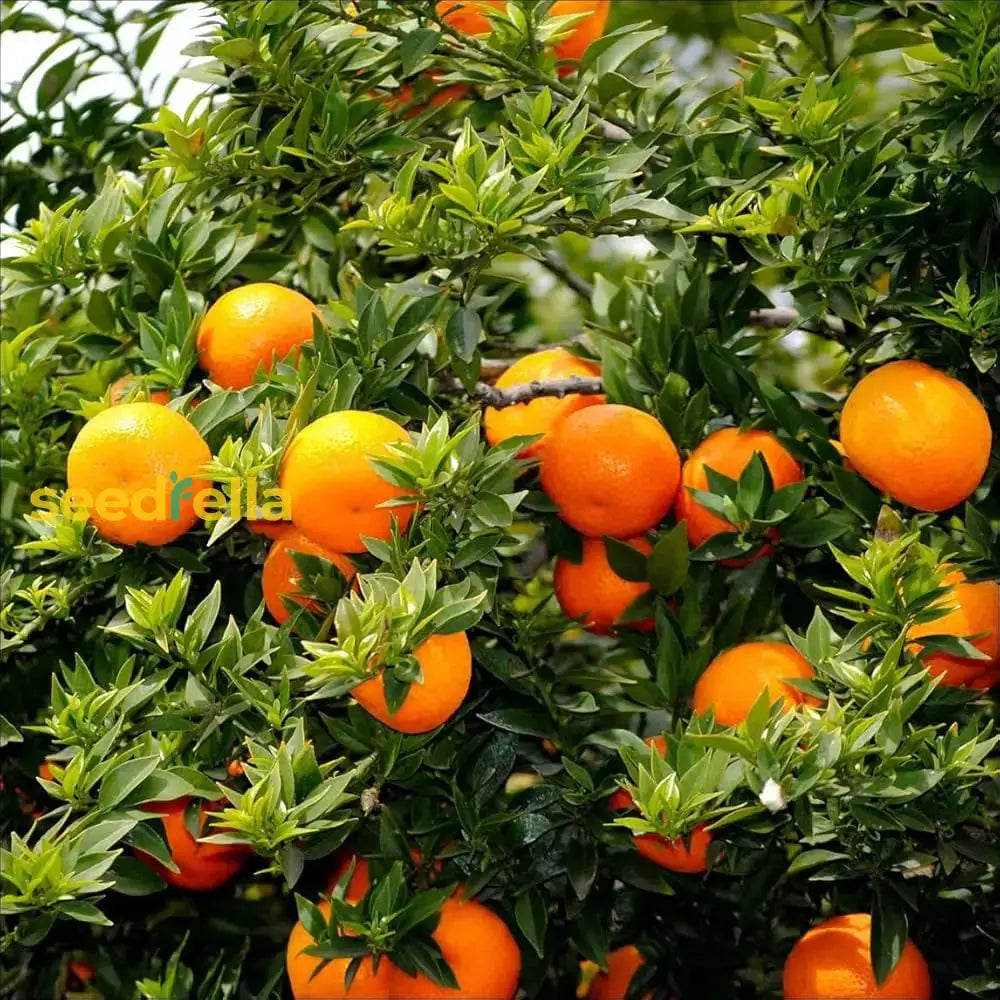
column 166, row 500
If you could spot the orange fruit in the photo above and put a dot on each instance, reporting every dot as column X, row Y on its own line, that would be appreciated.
column 469, row 17
column 45, row 771
column 200, row 866
column 975, row 610
column 481, row 951
column 137, row 456
column 623, row 963
column 832, row 961
column 593, row 591
column 280, row 576
column 613, row 470
column 731, row 684
column 360, row 881
column 540, row 415
column 334, row 491
column 267, row 528
column 403, row 99
column 253, row 327
column 329, row 982
column 686, row 855
column 129, row 389
column 916, row 434
column 83, row 971
column 728, row 452
column 446, row 664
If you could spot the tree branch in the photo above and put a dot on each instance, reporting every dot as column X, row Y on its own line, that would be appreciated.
column 555, row 263
column 500, row 399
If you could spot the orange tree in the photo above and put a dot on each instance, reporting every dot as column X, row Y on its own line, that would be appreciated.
column 678, row 667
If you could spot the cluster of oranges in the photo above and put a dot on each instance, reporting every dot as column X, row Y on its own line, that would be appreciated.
column 829, row 962
column 614, row 472
column 917, row 434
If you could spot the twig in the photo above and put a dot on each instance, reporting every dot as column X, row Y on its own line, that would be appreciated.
column 500, row 399
column 555, row 263
column 779, row 317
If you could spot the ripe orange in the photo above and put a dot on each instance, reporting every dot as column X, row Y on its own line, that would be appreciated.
column 328, row 983
column 475, row 942
column 253, row 327
column 731, row 684
column 687, row 855
column 540, row 415
column 201, row 866
column 593, row 591
column 129, row 389
column 446, row 664
column 481, row 951
column 623, row 963
column 976, row 609
column 403, row 99
column 728, row 452
column 468, row 16
column 334, row 491
column 127, row 455
column 613, row 470
column 360, row 881
column 280, row 576
column 917, row 434
column 832, row 961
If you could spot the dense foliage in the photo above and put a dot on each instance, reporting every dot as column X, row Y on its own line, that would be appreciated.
column 831, row 204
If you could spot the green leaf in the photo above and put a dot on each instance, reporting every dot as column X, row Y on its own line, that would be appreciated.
column 669, row 561
column 463, row 332
column 627, row 562
column 532, row 918
column 813, row 859
column 889, row 930
column 417, row 44
column 124, row 778
column 55, row 81
column 100, row 311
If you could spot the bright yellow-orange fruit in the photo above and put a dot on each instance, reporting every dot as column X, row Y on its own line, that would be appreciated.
column 833, row 962
column 613, row 470
column 201, row 867
column 623, row 963
column 916, row 434
column 481, row 951
column 253, row 327
column 975, row 612
column 593, row 591
column 731, row 684
column 446, row 664
column 334, row 491
column 280, row 576
column 329, row 982
column 136, row 466
column 469, row 17
column 129, row 389
column 540, row 415
column 728, row 451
